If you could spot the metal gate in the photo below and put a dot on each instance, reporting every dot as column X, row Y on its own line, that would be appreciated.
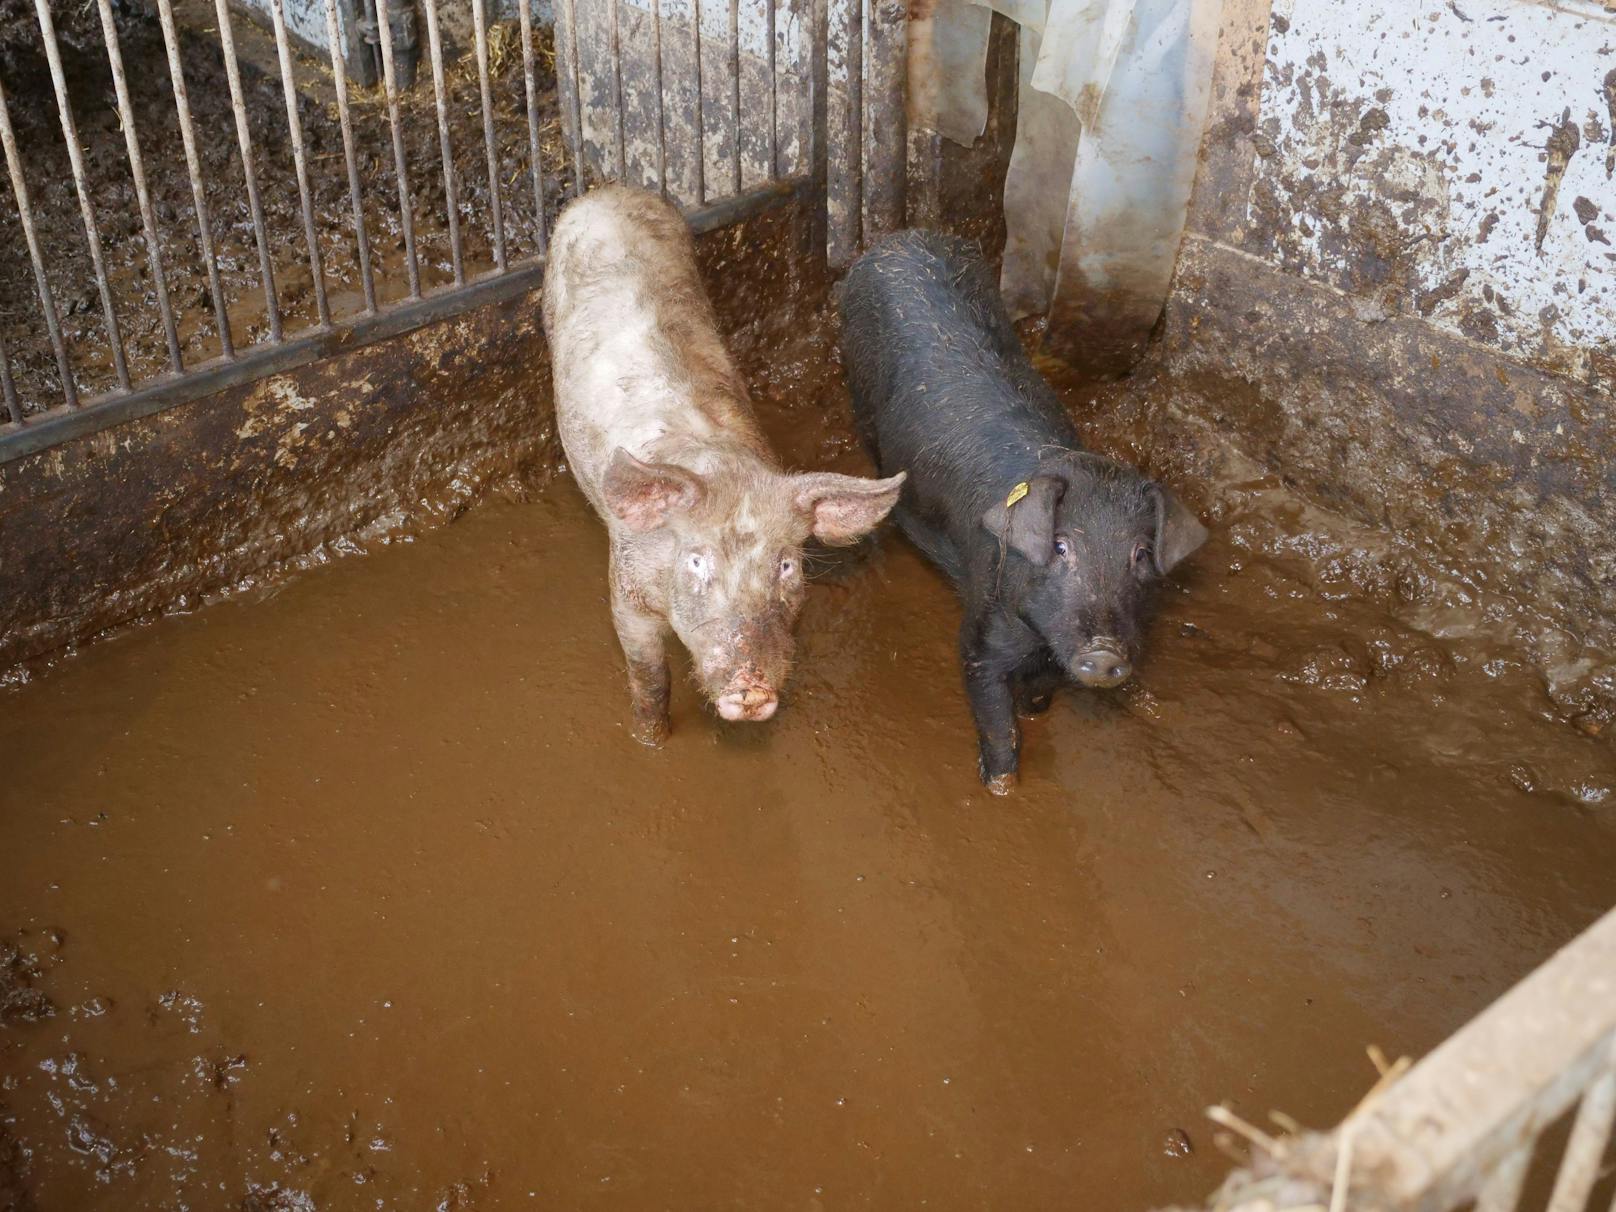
column 196, row 208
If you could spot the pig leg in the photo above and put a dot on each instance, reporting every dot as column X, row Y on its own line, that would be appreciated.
column 644, row 640
column 1036, row 683
column 993, row 708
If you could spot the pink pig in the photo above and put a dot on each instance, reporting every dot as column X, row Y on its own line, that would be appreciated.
column 706, row 528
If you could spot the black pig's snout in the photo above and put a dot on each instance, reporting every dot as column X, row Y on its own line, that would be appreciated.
column 1101, row 666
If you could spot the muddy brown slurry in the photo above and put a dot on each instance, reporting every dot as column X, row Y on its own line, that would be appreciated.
column 361, row 895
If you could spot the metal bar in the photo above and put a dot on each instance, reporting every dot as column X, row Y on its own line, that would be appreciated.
column 818, row 84
column 570, row 9
column 25, row 213
column 137, row 170
column 1502, row 1190
column 1579, row 1168
column 525, row 11
column 479, row 20
column 661, row 100
column 735, row 94
column 294, row 127
column 384, row 30
column 104, row 412
column 774, row 86
column 886, row 123
column 853, row 144
column 615, row 51
column 701, row 107
column 75, row 156
column 8, row 388
column 193, row 167
column 232, row 67
column 339, row 76
column 451, row 195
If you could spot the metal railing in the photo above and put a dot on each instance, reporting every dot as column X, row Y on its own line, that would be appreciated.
column 710, row 101
column 1469, row 1126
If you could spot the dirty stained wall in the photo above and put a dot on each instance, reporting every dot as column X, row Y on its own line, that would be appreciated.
column 1396, row 263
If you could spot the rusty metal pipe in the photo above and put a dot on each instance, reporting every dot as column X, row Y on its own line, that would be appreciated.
column 735, row 95
column 774, row 88
column 238, row 103
column 8, row 388
column 384, row 31
column 451, row 196
column 339, row 76
column 294, row 127
column 661, row 101
column 75, row 156
column 701, row 107
column 525, row 12
column 479, row 19
column 576, row 109
column 615, row 50
column 137, row 170
column 193, row 168
column 25, row 213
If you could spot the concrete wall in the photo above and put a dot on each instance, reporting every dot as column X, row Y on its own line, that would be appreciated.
column 1396, row 261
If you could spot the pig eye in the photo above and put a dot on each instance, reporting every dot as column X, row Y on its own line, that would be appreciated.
column 787, row 566
column 698, row 563
column 1141, row 552
column 1062, row 548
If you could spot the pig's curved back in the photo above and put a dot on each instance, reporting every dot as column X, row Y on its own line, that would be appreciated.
column 638, row 359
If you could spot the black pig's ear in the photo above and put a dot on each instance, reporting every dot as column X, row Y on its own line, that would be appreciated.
column 1178, row 531
column 642, row 495
column 1025, row 519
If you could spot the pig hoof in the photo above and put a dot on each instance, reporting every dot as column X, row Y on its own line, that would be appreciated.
column 1001, row 784
column 651, row 733
column 1037, row 704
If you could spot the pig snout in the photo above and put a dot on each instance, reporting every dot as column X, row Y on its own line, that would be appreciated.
column 1101, row 665
column 750, row 700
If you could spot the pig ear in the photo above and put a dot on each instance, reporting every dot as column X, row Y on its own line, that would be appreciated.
column 844, row 508
column 642, row 495
column 1025, row 518
column 1178, row 531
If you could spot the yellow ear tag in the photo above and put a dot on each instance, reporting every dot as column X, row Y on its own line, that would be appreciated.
column 1016, row 493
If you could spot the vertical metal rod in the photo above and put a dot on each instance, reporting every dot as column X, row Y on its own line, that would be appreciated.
column 75, row 156
column 479, row 18
column 232, row 68
column 193, row 167
column 451, row 196
column 384, row 29
column 25, row 213
column 8, row 389
column 853, row 146
column 294, row 127
column 525, row 11
column 735, row 95
column 886, row 128
column 1579, row 1168
column 661, row 101
column 774, row 85
column 818, row 85
column 701, row 107
column 137, row 170
column 570, row 8
column 615, row 50
column 339, row 76
column 1502, row 1190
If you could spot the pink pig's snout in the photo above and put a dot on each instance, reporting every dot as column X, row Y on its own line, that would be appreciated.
column 752, row 701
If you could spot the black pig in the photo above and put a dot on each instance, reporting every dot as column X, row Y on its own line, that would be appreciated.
column 1053, row 549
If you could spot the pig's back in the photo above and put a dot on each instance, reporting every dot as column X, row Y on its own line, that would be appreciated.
column 941, row 386
column 638, row 360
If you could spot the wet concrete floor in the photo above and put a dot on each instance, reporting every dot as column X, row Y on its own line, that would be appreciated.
column 360, row 895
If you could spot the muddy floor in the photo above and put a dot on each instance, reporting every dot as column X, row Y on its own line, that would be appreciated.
column 359, row 894
column 62, row 234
